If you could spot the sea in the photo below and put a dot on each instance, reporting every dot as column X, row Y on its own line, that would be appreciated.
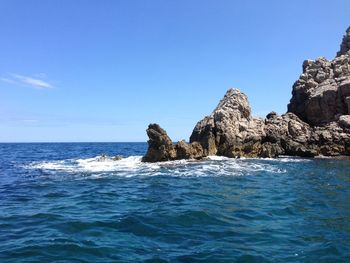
column 72, row 202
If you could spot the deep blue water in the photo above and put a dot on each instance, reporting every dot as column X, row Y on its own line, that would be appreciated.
column 64, row 203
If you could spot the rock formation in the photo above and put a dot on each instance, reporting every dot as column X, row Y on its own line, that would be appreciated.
column 317, row 121
column 161, row 148
column 230, row 130
column 322, row 93
column 345, row 45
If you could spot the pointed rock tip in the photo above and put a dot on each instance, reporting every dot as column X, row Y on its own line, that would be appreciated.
column 155, row 128
column 233, row 90
column 234, row 101
column 345, row 44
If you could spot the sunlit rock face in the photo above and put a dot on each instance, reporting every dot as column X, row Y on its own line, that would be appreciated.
column 322, row 92
column 317, row 121
column 230, row 129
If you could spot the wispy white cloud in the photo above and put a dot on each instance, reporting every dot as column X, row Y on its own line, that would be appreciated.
column 29, row 121
column 27, row 81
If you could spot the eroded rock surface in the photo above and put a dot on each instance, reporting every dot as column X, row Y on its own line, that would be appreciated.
column 345, row 45
column 317, row 121
column 161, row 148
column 230, row 130
column 322, row 92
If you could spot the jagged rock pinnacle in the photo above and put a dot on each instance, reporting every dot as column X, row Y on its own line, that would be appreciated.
column 345, row 45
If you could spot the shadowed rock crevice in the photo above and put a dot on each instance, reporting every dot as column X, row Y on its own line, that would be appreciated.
column 317, row 121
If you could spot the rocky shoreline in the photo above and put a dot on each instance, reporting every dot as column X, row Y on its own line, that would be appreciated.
column 317, row 122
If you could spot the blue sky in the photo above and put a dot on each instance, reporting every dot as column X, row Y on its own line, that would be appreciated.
column 103, row 70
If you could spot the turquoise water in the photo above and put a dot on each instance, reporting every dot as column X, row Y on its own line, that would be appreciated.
column 64, row 203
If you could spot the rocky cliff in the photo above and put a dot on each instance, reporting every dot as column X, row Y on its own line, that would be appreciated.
column 317, row 121
column 322, row 92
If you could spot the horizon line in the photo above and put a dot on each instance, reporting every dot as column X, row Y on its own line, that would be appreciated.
column 77, row 142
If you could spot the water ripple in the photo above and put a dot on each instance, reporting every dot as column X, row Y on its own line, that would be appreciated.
column 63, row 202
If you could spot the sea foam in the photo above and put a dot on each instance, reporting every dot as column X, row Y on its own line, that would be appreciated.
column 133, row 166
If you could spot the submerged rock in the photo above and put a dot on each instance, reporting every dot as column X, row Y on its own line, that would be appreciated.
column 105, row 157
column 317, row 121
column 117, row 158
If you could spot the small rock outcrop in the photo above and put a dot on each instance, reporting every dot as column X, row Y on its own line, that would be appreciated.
column 161, row 148
column 317, row 121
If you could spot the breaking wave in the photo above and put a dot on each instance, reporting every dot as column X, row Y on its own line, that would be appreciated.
column 133, row 166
